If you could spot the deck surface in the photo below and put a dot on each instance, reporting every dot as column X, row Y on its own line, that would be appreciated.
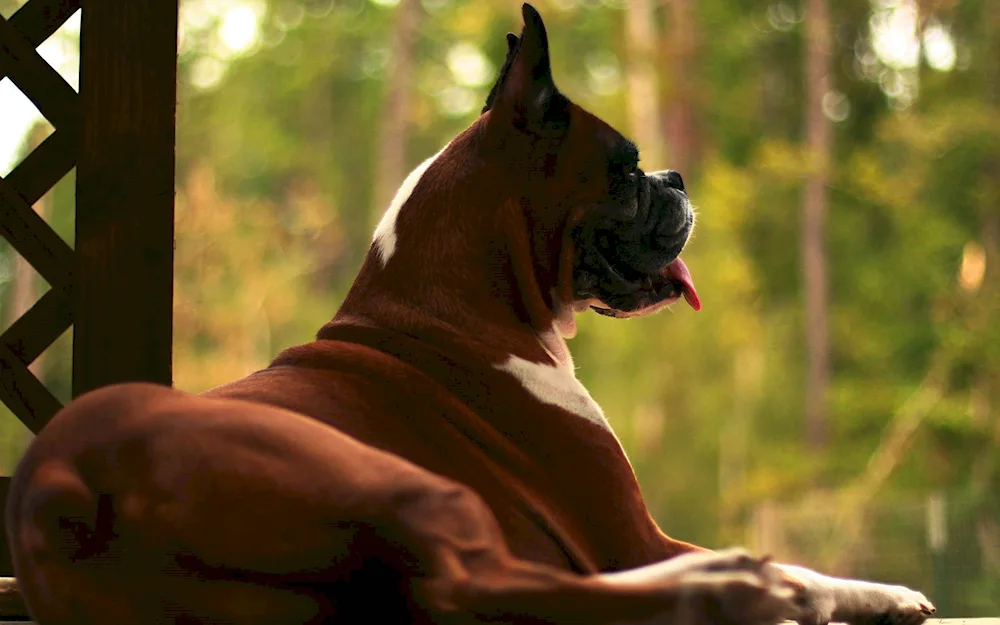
column 933, row 621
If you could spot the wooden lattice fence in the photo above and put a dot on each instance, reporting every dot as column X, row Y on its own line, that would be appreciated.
column 115, row 287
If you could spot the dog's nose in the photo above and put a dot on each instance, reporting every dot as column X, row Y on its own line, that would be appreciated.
column 674, row 180
column 673, row 213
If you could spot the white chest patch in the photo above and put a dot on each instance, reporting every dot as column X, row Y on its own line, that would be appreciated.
column 385, row 233
column 556, row 386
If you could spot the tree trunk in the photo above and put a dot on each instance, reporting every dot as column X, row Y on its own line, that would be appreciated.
column 986, row 390
column 990, row 216
column 988, row 385
column 393, row 131
column 818, row 144
column 643, row 92
column 683, row 140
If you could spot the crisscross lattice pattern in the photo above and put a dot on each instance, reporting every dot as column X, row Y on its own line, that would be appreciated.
column 28, row 233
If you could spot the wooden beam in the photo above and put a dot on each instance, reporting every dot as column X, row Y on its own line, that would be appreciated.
column 33, row 238
column 6, row 568
column 39, row 19
column 12, row 606
column 21, row 391
column 39, row 82
column 41, row 325
column 125, row 193
column 30, row 235
column 45, row 166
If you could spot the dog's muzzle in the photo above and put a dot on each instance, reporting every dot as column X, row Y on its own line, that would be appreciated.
column 670, row 211
column 627, row 257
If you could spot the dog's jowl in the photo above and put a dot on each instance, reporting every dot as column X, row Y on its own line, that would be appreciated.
column 430, row 457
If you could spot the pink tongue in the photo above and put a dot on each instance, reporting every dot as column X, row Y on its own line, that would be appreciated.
column 678, row 271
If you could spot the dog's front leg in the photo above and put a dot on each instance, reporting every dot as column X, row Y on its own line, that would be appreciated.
column 829, row 599
column 717, row 587
column 821, row 599
column 713, row 588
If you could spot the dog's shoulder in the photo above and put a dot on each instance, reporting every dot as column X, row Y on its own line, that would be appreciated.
column 332, row 375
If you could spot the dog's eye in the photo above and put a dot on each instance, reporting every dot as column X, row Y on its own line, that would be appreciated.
column 633, row 174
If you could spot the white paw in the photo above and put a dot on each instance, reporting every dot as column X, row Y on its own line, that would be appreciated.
column 881, row 604
column 857, row 602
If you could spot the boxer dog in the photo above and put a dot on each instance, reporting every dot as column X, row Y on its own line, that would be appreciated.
column 431, row 457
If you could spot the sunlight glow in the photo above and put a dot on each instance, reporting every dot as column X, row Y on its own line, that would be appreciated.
column 219, row 31
column 898, row 40
column 456, row 101
column 836, row 106
column 469, row 65
column 897, row 43
column 894, row 34
column 289, row 16
column 206, row 72
column 604, row 74
column 973, row 270
column 18, row 116
column 782, row 16
column 939, row 48
column 240, row 28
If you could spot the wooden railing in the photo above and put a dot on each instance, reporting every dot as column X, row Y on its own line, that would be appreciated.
column 116, row 287
column 28, row 233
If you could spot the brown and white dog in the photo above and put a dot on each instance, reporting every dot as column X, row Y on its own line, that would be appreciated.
column 431, row 457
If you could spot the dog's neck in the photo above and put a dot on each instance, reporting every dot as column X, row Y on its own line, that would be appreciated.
column 452, row 254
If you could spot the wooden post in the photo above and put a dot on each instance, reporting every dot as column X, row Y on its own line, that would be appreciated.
column 125, row 193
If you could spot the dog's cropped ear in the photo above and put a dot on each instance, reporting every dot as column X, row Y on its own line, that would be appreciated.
column 525, row 93
column 512, row 43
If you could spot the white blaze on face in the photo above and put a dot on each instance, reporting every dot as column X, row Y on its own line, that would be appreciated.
column 385, row 234
column 556, row 386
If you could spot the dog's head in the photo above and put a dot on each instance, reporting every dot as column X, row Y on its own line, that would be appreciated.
column 615, row 231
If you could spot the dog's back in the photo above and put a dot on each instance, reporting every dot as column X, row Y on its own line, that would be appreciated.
column 144, row 504
column 459, row 417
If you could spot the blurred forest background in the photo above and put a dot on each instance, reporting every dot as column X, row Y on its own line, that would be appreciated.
column 837, row 401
